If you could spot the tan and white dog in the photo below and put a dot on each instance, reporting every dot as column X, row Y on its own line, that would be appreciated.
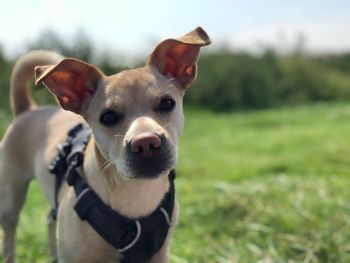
column 140, row 109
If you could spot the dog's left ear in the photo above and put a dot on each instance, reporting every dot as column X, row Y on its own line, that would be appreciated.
column 72, row 81
column 177, row 58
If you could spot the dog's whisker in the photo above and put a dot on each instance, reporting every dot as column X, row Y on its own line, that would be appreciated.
column 166, row 92
column 103, row 171
column 167, row 125
column 168, row 87
column 108, row 164
column 166, row 82
column 118, row 135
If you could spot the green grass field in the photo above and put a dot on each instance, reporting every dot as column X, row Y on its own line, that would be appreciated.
column 266, row 186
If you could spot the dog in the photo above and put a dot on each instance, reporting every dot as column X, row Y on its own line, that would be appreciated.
column 136, row 119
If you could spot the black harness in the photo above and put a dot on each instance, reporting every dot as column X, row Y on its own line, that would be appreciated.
column 136, row 239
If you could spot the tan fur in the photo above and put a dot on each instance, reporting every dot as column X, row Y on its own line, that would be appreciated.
column 29, row 144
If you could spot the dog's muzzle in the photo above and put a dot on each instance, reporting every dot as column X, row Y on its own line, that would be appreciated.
column 148, row 155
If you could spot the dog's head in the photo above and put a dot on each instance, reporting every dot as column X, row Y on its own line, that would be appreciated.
column 136, row 115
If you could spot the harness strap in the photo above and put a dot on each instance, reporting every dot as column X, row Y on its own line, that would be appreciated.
column 76, row 142
column 121, row 232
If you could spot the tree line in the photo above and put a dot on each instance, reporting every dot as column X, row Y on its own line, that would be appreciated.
column 227, row 79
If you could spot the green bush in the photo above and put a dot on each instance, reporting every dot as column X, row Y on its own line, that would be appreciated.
column 229, row 80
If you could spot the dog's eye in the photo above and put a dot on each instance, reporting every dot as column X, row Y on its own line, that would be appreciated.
column 166, row 104
column 109, row 118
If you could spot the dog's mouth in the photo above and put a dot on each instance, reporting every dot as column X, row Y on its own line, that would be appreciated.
column 151, row 161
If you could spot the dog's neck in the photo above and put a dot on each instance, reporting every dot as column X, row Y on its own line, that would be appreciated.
column 130, row 197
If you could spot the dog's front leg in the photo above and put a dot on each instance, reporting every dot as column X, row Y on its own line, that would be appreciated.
column 9, row 244
column 77, row 240
column 51, row 228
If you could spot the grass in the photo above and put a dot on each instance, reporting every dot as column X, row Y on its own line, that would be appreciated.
column 266, row 186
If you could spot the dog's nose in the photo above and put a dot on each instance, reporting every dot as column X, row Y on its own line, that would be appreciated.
column 145, row 143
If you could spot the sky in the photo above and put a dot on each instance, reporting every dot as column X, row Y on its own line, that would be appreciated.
column 134, row 27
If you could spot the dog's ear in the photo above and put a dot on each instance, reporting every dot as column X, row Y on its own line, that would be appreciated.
column 177, row 58
column 72, row 81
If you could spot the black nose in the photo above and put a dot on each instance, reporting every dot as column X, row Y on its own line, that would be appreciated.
column 145, row 144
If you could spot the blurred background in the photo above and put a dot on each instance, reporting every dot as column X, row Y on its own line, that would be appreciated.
column 264, row 164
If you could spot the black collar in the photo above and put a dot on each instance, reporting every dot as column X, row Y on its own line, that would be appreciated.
column 136, row 239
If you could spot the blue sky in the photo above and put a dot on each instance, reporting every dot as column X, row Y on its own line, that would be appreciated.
column 133, row 27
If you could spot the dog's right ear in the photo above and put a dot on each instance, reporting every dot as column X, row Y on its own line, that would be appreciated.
column 72, row 81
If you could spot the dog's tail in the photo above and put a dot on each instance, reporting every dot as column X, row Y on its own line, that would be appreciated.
column 22, row 74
